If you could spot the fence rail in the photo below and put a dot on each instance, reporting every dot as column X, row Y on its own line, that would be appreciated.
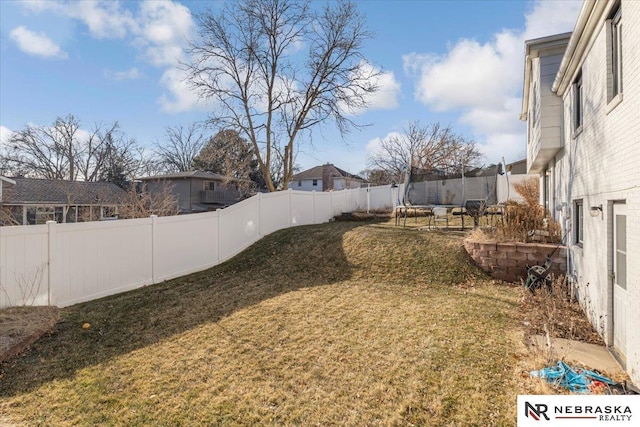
column 64, row 264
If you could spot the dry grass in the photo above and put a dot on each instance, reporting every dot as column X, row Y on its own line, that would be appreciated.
column 337, row 324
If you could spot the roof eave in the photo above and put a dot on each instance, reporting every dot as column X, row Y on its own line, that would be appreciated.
column 7, row 180
column 588, row 19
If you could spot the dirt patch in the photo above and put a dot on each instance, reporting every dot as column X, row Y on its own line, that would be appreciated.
column 22, row 326
column 362, row 216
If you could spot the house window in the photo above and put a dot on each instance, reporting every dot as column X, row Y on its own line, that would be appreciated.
column 579, row 222
column 614, row 54
column 315, row 182
column 299, row 183
column 209, row 185
column 578, row 110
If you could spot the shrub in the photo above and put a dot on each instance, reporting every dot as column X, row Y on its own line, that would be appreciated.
column 525, row 221
column 528, row 221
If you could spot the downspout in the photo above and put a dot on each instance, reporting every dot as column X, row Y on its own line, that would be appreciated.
column 525, row 94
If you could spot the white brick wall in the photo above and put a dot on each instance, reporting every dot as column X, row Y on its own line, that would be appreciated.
column 602, row 166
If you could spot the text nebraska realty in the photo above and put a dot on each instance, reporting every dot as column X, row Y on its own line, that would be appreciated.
column 601, row 413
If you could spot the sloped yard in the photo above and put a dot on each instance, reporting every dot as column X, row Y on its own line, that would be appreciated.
column 337, row 324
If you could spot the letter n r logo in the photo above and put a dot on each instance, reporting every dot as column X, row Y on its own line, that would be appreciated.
column 536, row 411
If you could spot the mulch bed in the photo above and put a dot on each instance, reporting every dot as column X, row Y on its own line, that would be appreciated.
column 22, row 326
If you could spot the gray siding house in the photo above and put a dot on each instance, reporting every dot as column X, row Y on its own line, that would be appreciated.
column 198, row 191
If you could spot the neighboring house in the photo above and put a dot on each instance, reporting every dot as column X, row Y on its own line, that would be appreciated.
column 582, row 106
column 28, row 201
column 324, row 178
column 198, row 191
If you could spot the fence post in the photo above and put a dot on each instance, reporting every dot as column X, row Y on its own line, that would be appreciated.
column 260, row 215
column 51, row 252
column 154, row 218
column 218, row 212
column 313, row 205
column 346, row 200
column 290, row 206
column 331, row 203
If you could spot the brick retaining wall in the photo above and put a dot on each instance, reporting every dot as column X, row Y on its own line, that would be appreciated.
column 507, row 261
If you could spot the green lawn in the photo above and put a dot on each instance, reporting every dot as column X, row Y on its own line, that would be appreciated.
column 336, row 324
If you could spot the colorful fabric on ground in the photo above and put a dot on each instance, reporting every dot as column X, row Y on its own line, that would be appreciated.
column 576, row 380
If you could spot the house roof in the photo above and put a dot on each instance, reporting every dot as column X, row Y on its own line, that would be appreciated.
column 191, row 174
column 316, row 173
column 36, row 191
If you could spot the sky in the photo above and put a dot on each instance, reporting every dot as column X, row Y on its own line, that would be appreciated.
column 457, row 63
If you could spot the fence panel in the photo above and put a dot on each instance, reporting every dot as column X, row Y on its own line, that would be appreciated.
column 356, row 199
column 383, row 197
column 95, row 259
column 238, row 227
column 184, row 244
column 274, row 212
column 24, row 257
column 338, row 202
column 302, row 211
column 505, row 187
column 322, row 207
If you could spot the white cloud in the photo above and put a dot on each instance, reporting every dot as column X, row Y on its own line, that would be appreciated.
column 106, row 20
column 385, row 98
column 374, row 146
column 5, row 136
column 39, row 6
column 551, row 17
column 37, row 44
column 164, row 30
column 158, row 28
column 180, row 97
column 130, row 74
column 483, row 81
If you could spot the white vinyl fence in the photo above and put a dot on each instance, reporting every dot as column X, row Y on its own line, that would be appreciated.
column 64, row 264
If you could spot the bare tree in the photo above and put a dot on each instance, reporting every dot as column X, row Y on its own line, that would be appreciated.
column 7, row 217
column 276, row 68
column 44, row 151
column 378, row 177
column 182, row 145
column 64, row 151
column 431, row 148
column 142, row 204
